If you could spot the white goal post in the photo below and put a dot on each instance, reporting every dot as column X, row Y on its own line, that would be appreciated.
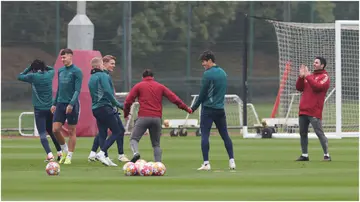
column 300, row 43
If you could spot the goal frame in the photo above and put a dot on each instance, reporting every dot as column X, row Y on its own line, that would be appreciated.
column 338, row 134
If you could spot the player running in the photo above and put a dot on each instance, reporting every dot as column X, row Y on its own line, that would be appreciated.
column 211, row 97
column 109, row 65
column 66, row 104
column 103, row 101
column 40, row 77
column 149, row 94
column 314, row 88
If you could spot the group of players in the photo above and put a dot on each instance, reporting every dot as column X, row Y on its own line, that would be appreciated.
column 51, row 114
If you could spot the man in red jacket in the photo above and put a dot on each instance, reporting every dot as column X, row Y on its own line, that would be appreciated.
column 314, row 88
column 149, row 94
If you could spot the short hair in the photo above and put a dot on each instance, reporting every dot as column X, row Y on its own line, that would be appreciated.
column 96, row 62
column 207, row 55
column 147, row 72
column 66, row 51
column 107, row 58
column 322, row 61
column 37, row 65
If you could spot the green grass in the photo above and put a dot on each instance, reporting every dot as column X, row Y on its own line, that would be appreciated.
column 266, row 170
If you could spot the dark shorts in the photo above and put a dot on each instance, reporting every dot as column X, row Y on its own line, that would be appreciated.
column 43, row 120
column 60, row 114
column 106, row 119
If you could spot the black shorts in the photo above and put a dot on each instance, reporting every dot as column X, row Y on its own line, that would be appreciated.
column 60, row 114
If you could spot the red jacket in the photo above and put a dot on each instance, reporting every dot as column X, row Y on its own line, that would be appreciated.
column 314, row 88
column 149, row 94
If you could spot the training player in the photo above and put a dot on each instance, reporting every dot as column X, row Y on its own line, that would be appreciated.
column 40, row 77
column 211, row 98
column 103, row 101
column 66, row 103
column 109, row 65
column 149, row 94
column 314, row 88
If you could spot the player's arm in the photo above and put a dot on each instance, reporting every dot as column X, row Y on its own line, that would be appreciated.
column 130, row 99
column 172, row 97
column 78, row 82
column 319, row 85
column 205, row 83
column 24, row 76
column 300, row 84
column 105, row 83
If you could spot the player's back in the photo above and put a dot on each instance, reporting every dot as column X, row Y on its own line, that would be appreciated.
column 42, row 89
column 97, row 90
column 217, row 79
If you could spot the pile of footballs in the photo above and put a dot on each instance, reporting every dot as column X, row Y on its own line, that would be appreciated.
column 143, row 168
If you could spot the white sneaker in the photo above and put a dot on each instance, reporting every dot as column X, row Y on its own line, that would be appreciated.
column 101, row 157
column 232, row 164
column 110, row 162
column 92, row 157
column 123, row 158
column 205, row 167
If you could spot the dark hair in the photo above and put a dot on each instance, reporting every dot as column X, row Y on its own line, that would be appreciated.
column 322, row 61
column 66, row 51
column 147, row 72
column 207, row 55
column 38, row 65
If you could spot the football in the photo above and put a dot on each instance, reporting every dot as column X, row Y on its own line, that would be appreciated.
column 129, row 169
column 146, row 170
column 52, row 168
column 139, row 164
column 159, row 169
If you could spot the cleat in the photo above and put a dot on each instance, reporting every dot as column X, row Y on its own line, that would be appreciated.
column 206, row 167
column 110, row 162
column 327, row 158
column 67, row 161
column 303, row 158
column 59, row 155
column 49, row 159
column 101, row 157
column 123, row 158
column 92, row 158
column 232, row 165
column 63, row 157
column 135, row 157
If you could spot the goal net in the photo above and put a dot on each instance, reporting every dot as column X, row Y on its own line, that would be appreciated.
column 338, row 43
column 233, row 111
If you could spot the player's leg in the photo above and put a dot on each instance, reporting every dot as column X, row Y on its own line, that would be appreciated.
column 205, row 127
column 107, row 118
column 72, row 120
column 155, row 133
column 95, row 146
column 219, row 118
column 141, row 124
column 304, row 129
column 317, row 125
column 40, row 121
column 58, row 121
column 120, row 141
column 49, row 122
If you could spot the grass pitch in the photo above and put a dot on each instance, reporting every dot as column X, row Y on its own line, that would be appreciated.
column 266, row 170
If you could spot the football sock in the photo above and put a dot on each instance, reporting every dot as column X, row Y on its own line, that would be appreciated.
column 206, row 162
column 64, row 147
column 92, row 153
column 327, row 154
column 157, row 154
column 69, row 155
column 95, row 145
column 305, row 155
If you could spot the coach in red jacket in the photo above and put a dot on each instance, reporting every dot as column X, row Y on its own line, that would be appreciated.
column 149, row 94
column 314, row 88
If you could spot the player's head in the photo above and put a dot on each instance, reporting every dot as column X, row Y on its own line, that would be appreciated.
column 147, row 73
column 109, row 62
column 38, row 65
column 66, row 56
column 207, row 59
column 319, row 63
column 97, row 63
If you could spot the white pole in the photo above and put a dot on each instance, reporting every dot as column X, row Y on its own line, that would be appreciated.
column 338, row 76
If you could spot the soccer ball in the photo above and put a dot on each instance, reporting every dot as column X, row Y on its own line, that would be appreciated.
column 146, row 170
column 159, row 169
column 139, row 164
column 129, row 169
column 52, row 168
